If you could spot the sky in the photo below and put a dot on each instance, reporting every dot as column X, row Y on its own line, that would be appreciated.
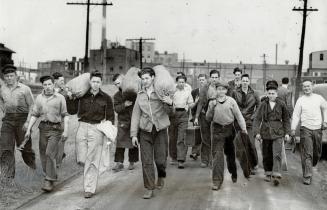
column 211, row 30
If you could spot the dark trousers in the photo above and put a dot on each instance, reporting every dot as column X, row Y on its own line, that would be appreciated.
column 222, row 142
column 153, row 146
column 172, row 132
column 50, row 135
column 11, row 134
column 310, row 149
column 272, row 156
column 179, row 124
column 206, row 139
column 252, row 140
column 133, row 154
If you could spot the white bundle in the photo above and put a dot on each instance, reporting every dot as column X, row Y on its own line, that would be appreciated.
column 164, row 83
column 80, row 84
column 321, row 89
column 131, row 81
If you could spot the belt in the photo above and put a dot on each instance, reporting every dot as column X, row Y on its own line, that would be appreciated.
column 180, row 109
column 222, row 126
column 50, row 123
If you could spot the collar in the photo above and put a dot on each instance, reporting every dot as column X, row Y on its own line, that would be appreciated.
column 285, row 86
column 55, row 94
column 239, row 89
column 89, row 93
column 18, row 84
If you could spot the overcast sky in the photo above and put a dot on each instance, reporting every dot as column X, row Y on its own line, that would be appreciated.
column 212, row 30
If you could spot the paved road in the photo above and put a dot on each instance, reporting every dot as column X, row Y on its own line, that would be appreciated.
column 190, row 188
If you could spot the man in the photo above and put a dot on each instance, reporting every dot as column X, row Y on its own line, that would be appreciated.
column 187, row 86
column 182, row 102
column 195, row 94
column 150, row 122
column 207, row 93
column 286, row 95
column 50, row 107
column 124, row 109
column 248, row 101
column 236, row 82
column 223, row 111
column 94, row 107
column 16, row 100
column 311, row 112
column 59, row 87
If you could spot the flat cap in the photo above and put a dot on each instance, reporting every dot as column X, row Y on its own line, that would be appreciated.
column 222, row 84
column 272, row 85
column 8, row 68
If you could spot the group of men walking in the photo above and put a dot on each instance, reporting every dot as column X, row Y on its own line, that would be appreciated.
column 155, row 126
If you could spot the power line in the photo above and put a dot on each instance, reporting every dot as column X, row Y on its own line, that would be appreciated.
column 141, row 40
column 304, row 11
column 88, row 3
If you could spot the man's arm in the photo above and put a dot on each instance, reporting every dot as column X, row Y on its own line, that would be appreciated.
column 258, row 120
column 110, row 115
column 296, row 116
column 323, row 107
column 119, row 105
column 135, row 121
column 30, row 102
column 201, row 102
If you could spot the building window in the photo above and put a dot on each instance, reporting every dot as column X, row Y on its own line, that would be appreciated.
column 120, row 68
column 321, row 56
column 325, row 81
column 111, row 68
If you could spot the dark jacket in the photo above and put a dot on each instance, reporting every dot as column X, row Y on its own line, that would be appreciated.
column 231, row 87
column 286, row 95
column 203, row 100
column 272, row 123
column 248, row 104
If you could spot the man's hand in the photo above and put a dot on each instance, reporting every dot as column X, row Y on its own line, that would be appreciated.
column 244, row 131
column 64, row 136
column 167, row 100
column 25, row 126
column 78, row 94
column 196, row 121
column 128, row 103
column 135, row 142
column 287, row 138
column 212, row 103
column 27, row 134
column 293, row 133
column 324, row 125
column 258, row 138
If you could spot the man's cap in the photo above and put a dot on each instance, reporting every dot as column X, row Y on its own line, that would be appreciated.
column 222, row 84
column 272, row 85
column 8, row 68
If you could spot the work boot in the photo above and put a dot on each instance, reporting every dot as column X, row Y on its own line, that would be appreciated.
column 47, row 186
column 88, row 195
column 160, row 183
column 203, row 165
column 276, row 180
column 234, row 178
column 194, row 156
column 173, row 162
column 131, row 166
column 181, row 165
column 118, row 167
column 148, row 194
column 216, row 187
column 268, row 178
column 307, row 180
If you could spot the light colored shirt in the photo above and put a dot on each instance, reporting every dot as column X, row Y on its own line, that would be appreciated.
column 18, row 99
column 51, row 109
column 308, row 111
column 182, row 98
column 225, row 113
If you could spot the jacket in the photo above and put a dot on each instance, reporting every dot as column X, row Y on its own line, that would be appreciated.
column 272, row 123
column 203, row 100
column 149, row 112
column 286, row 96
column 248, row 104
column 124, row 113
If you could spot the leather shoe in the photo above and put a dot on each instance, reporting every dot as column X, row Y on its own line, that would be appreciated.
column 268, row 178
column 307, row 180
column 131, row 166
column 181, row 165
column 203, row 165
column 216, row 187
column 47, row 186
column 88, row 195
column 148, row 194
column 234, row 178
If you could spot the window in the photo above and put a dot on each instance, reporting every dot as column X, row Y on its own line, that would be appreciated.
column 120, row 68
column 111, row 68
column 321, row 56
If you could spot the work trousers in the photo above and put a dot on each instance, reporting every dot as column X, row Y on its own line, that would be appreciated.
column 206, row 139
column 272, row 156
column 181, row 123
column 310, row 149
column 50, row 136
column 133, row 154
column 89, row 142
column 222, row 142
column 11, row 134
column 153, row 150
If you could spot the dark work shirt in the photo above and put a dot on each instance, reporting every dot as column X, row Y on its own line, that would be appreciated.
column 94, row 108
column 124, row 113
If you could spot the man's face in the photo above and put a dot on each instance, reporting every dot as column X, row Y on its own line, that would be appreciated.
column 221, row 91
column 118, row 82
column 48, row 87
column 307, row 87
column 245, row 82
column 180, row 83
column 95, row 83
column 214, row 78
column 147, row 80
column 272, row 95
column 60, row 82
column 238, row 75
column 10, row 78
column 202, row 81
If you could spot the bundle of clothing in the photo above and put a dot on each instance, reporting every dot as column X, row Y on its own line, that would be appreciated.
column 131, row 84
column 164, row 83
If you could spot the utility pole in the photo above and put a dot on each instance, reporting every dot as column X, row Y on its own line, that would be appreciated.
column 276, row 54
column 305, row 11
column 141, row 40
column 264, row 70
column 88, row 3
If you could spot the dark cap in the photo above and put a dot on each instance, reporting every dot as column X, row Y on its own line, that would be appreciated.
column 8, row 68
column 222, row 84
column 272, row 85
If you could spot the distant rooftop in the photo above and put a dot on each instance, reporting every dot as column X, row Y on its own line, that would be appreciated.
column 5, row 49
